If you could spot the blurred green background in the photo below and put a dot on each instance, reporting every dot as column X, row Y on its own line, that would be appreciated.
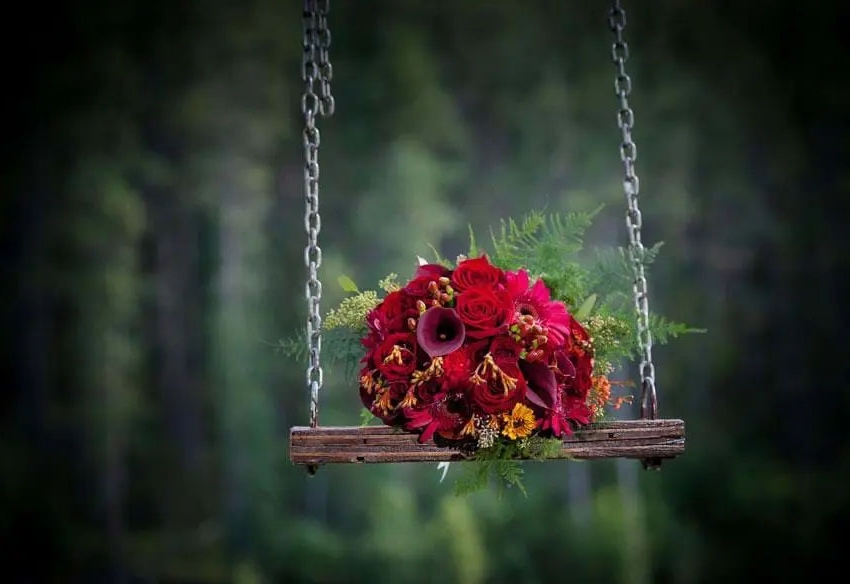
column 152, row 252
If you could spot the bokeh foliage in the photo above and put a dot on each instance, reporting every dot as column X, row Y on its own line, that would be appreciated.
column 152, row 237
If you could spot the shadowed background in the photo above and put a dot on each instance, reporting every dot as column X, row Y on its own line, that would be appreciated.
column 152, row 239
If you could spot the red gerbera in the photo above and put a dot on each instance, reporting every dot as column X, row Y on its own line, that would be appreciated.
column 537, row 303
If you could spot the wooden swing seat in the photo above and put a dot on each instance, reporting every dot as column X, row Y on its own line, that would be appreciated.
column 649, row 440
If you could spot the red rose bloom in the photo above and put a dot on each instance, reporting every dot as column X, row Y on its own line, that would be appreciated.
column 477, row 272
column 485, row 312
column 425, row 274
column 434, row 271
column 494, row 394
column 383, row 399
column 390, row 316
column 395, row 358
column 505, row 350
column 429, row 392
column 417, row 289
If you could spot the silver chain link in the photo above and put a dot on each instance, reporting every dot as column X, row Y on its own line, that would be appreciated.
column 315, row 70
column 634, row 220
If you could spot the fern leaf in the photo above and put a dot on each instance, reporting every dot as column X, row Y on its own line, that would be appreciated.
column 663, row 330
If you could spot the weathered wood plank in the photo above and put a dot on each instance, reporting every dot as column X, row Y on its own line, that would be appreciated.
column 644, row 439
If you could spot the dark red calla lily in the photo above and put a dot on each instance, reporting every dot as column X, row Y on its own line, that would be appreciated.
column 542, row 387
column 440, row 331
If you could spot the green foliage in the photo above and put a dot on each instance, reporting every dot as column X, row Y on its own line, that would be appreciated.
column 663, row 329
column 340, row 345
column 389, row 283
column 501, row 463
column 367, row 417
column 347, row 284
column 351, row 311
column 543, row 244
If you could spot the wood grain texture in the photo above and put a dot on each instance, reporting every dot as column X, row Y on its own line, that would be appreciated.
column 643, row 439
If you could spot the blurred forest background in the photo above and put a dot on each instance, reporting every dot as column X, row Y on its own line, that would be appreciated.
column 152, row 253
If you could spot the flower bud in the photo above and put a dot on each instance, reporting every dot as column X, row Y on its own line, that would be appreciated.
column 443, row 281
column 411, row 324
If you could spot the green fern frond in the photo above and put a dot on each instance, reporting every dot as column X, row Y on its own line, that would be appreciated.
column 293, row 347
column 663, row 330
column 341, row 346
column 475, row 476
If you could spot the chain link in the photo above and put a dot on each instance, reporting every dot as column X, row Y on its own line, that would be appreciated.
column 634, row 220
column 316, row 71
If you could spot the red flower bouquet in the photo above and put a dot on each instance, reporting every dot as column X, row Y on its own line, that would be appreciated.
column 476, row 354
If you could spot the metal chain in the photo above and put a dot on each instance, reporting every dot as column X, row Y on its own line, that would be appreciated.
column 634, row 221
column 315, row 70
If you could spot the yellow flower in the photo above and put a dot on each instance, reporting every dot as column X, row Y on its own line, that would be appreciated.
column 519, row 423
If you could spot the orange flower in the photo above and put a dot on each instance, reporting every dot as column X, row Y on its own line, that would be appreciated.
column 519, row 423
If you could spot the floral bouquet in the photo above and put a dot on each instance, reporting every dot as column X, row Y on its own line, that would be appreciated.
column 499, row 354
column 477, row 353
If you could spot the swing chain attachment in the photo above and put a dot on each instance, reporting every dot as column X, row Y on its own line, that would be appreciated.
column 316, row 71
column 634, row 221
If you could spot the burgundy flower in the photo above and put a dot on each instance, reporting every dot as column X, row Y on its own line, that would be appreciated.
column 552, row 393
column 583, row 381
column 484, row 311
column 395, row 358
column 441, row 417
column 440, row 331
column 576, row 409
column 563, row 368
column 542, row 387
column 477, row 272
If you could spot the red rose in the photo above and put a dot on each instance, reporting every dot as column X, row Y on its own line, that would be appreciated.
column 484, row 312
column 477, row 272
column 505, row 350
column 380, row 398
column 429, row 392
column 395, row 358
column 417, row 288
column 434, row 271
column 390, row 316
column 494, row 394
column 425, row 274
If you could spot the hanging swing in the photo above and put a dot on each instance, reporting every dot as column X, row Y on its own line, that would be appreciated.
column 648, row 439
